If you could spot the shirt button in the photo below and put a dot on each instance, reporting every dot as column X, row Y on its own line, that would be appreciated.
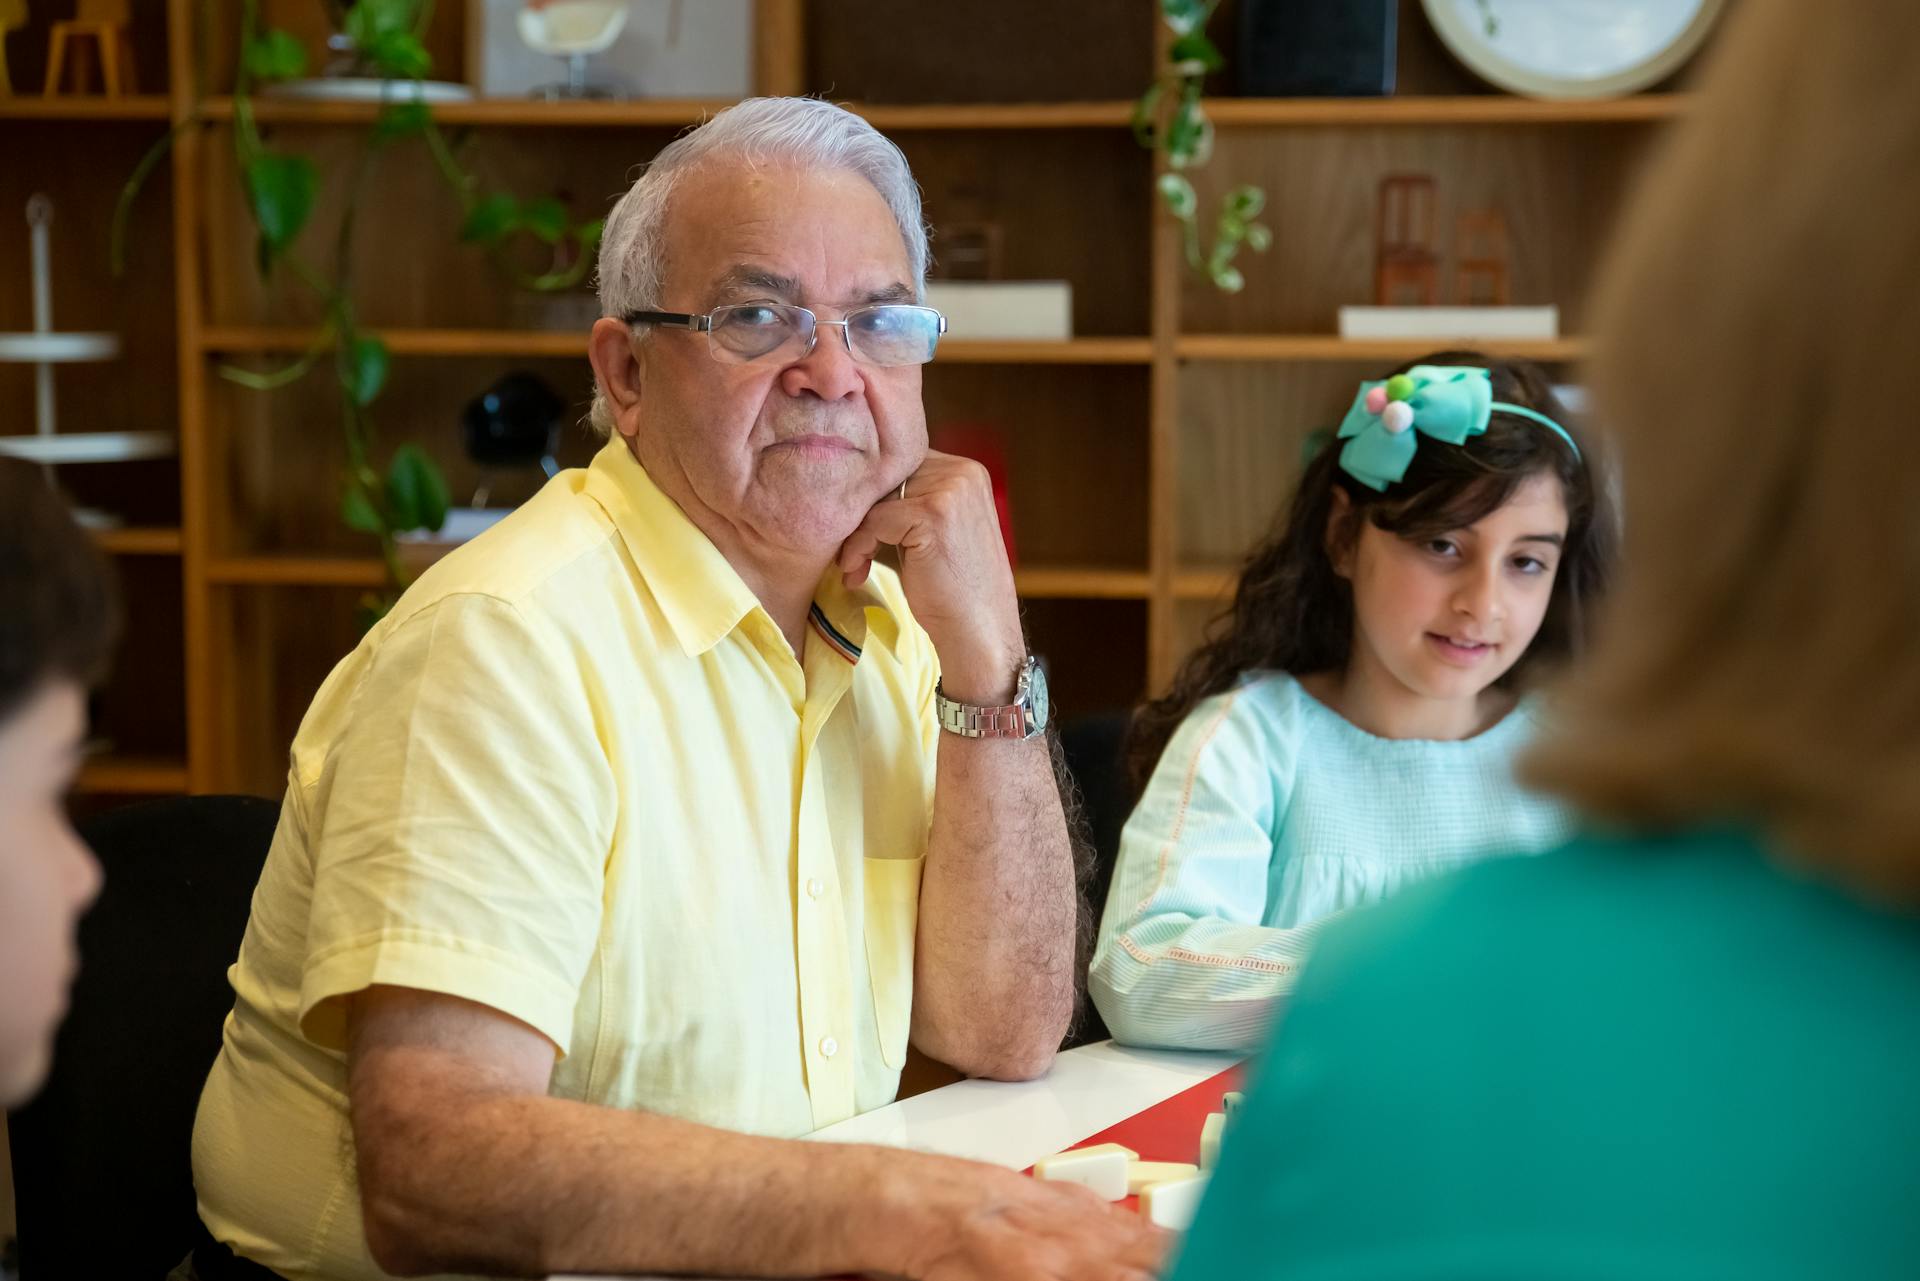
column 828, row 1047
column 814, row 887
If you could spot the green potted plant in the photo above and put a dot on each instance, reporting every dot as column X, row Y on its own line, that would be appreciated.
column 1171, row 117
column 405, row 490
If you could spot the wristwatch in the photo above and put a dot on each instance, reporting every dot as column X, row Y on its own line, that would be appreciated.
column 1026, row 717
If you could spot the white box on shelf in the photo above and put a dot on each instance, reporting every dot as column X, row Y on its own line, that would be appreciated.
column 1504, row 323
column 989, row 309
column 703, row 51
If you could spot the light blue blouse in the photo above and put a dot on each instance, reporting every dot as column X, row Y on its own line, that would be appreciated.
column 1268, row 814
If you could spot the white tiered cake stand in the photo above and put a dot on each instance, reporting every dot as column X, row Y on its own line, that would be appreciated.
column 44, row 348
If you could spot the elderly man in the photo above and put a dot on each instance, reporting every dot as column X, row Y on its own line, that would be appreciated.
column 646, row 831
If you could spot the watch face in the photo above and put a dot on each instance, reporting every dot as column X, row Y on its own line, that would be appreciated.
column 1037, row 700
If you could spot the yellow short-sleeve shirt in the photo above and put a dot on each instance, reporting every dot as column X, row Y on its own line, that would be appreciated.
column 579, row 775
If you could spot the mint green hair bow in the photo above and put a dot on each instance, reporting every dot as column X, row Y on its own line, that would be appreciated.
column 1447, row 402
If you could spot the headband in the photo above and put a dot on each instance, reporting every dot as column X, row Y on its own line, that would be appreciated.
column 1447, row 402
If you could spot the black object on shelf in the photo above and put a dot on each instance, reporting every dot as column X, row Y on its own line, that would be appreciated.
column 1317, row 48
column 515, row 423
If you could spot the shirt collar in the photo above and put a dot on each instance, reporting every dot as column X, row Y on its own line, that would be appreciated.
column 855, row 615
column 701, row 596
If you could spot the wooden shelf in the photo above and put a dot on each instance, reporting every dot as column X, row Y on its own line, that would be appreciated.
column 157, row 540
column 133, row 775
column 1052, row 582
column 1016, row 115
column 1458, row 109
column 77, row 107
column 1070, row 351
column 567, row 343
column 676, row 113
column 298, row 571
column 1214, row 584
column 1330, row 347
column 240, row 340
column 1226, row 113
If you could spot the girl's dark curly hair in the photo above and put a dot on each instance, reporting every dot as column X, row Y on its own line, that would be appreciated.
column 1291, row 612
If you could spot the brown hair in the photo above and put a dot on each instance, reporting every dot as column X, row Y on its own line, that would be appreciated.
column 58, row 609
column 1291, row 612
column 1756, row 348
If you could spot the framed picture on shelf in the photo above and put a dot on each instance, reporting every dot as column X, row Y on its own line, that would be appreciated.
column 660, row 49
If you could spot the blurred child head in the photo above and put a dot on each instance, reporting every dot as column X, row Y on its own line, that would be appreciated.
column 1438, row 582
column 1757, row 345
column 57, row 623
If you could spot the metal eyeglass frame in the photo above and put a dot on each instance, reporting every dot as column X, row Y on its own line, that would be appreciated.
column 698, row 322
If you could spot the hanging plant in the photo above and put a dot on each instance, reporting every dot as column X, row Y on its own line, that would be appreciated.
column 1170, row 117
column 280, row 187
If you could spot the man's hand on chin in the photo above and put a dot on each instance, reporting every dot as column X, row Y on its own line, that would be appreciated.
column 954, row 570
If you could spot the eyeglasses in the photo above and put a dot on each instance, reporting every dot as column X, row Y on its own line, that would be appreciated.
column 889, row 334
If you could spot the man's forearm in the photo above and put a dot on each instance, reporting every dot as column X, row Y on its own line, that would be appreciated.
column 527, row 1185
column 994, row 977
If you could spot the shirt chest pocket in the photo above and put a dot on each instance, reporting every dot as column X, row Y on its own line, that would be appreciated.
column 893, row 911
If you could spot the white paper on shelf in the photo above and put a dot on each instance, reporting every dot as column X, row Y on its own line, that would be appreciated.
column 990, row 309
column 1453, row 323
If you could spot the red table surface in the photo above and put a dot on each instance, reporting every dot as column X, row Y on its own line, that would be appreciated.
column 1170, row 1129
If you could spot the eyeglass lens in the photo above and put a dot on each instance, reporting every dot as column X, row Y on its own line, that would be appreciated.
column 890, row 334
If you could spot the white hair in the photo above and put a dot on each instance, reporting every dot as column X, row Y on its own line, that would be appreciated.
column 806, row 132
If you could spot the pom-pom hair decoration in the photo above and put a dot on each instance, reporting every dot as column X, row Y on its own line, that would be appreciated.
column 1450, row 403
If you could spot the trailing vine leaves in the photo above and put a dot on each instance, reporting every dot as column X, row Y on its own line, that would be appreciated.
column 281, row 188
column 1170, row 117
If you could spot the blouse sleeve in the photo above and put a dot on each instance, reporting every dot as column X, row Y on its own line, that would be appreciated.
column 1183, row 959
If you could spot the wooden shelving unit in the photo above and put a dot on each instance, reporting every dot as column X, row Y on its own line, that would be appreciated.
column 78, row 150
column 1146, row 453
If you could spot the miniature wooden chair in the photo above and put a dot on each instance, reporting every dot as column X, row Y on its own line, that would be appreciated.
column 13, row 15
column 1481, row 254
column 107, row 24
column 1406, row 254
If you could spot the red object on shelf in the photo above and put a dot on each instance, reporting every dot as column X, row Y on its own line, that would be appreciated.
column 988, row 447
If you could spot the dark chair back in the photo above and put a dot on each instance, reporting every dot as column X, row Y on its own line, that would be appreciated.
column 1095, row 748
column 103, row 1183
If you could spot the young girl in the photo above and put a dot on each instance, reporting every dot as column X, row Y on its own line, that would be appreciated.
column 1352, row 727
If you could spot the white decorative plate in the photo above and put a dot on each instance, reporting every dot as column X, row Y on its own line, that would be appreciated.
column 1573, row 48
column 57, row 348
column 90, row 446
